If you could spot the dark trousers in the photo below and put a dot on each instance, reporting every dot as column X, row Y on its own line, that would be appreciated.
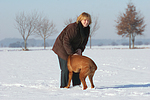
column 65, row 74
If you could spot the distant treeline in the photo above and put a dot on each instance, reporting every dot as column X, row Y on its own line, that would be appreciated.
column 15, row 42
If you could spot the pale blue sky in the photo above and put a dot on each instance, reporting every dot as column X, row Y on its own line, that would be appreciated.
column 60, row 10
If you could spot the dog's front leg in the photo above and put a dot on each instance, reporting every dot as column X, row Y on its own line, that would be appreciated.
column 70, row 77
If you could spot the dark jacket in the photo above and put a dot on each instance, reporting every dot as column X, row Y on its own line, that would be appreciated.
column 69, row 40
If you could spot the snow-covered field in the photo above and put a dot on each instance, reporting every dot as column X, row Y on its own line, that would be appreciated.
column 122, row 74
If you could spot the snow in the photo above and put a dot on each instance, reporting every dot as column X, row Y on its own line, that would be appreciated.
column 122, row 74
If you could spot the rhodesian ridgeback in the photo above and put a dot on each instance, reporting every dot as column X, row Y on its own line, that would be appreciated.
column 82, row 65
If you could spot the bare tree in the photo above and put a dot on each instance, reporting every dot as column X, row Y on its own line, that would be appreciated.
column 45, row 29
column 26, row 25
column 70, row 20
column 94, row 27
column 130, row 24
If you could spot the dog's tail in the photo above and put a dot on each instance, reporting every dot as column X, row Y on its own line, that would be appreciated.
column 94, row 66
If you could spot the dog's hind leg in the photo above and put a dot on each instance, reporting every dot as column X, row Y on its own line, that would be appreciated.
column 82, row 78
column 91, row 80
column 70, row 77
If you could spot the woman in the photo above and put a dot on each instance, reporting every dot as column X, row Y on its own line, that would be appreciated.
column 72, row 40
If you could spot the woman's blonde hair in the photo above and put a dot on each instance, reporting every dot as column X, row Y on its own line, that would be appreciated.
column 83, row 16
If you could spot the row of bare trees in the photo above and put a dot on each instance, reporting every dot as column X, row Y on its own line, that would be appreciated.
column 129, row 24
column 28, row 24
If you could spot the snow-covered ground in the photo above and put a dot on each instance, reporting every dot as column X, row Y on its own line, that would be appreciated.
column 122, row 74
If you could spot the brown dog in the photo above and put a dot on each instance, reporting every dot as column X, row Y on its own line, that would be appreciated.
column 84, row 65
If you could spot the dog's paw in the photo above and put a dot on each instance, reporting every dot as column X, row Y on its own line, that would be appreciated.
column 67, row 87
column 92, row 86
column 84, row 88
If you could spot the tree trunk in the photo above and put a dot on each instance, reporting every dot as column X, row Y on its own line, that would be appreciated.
column 133, row 39
column 90, row 42
column 129, row 41
column 44, row 44
column 25, row 45
column 133, row 43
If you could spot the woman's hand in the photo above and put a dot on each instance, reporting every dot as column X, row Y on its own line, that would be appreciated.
column 78, row 52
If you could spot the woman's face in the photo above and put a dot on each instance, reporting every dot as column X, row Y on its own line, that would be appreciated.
column 85, row 22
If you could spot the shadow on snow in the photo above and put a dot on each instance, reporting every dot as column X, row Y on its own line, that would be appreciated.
column 125, row 86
